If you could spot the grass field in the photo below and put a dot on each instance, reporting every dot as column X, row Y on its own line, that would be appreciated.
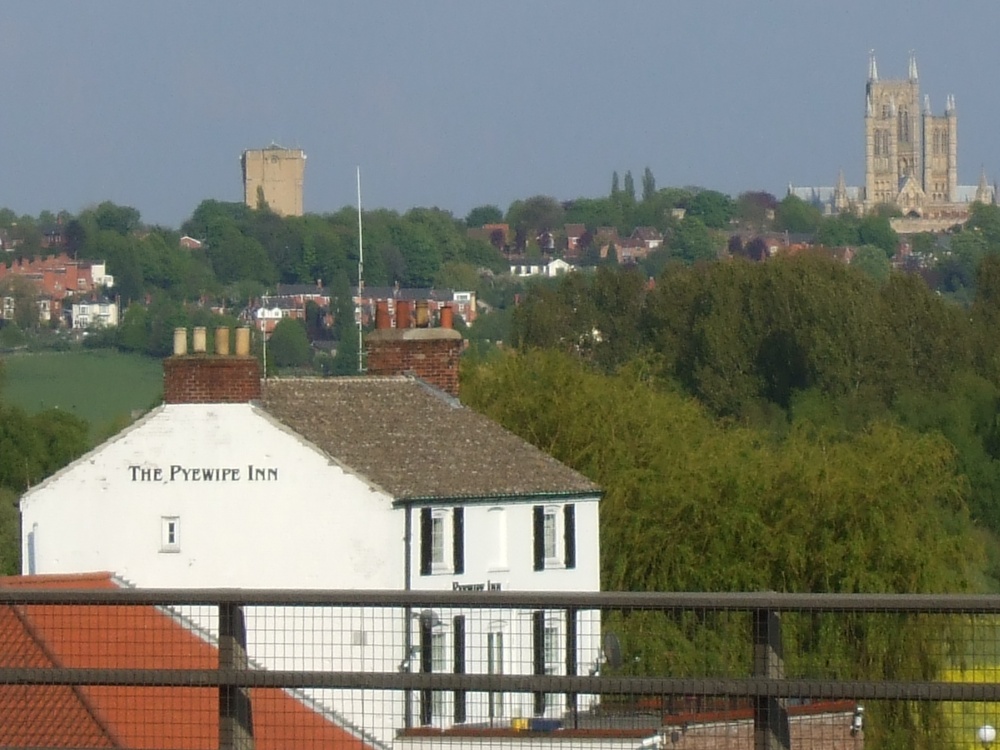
column 102, row 386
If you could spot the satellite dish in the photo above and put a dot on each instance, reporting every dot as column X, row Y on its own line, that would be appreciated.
column 612, row 649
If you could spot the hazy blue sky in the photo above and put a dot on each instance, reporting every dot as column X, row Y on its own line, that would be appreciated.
column 462, row 103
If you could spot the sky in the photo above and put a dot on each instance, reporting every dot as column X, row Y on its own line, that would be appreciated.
column 462, row 103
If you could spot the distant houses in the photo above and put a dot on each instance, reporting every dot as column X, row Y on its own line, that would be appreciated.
column 291, row 300
column 59, row 283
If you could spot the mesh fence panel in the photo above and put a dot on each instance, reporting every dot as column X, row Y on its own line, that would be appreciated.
column 207, row 669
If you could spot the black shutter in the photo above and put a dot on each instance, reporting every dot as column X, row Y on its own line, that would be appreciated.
column 538, row 643
column 571, row 645
column 458, row 539
column 539, row 518
column 569, row 538
column 426, row 665
column 425, row 541
column 460, row 667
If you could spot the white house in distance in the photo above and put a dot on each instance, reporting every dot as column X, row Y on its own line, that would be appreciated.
column 379, row 482
column 550, row 269
column 99, row 312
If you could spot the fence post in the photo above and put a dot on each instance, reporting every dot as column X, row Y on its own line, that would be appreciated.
column 235, row 711
column 770, row 717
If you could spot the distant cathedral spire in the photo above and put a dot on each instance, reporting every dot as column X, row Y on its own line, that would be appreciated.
column 949, row 107
column 872, row 67
column 913, row 66
column 927, row 104
column 983, row 191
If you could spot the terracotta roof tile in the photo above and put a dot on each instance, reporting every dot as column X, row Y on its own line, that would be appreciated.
column 129, row 637
column 414, row 442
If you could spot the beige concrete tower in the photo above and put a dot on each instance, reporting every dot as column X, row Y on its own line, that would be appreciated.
column 274, row 176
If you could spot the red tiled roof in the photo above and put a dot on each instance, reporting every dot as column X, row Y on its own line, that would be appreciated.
column 129, row 637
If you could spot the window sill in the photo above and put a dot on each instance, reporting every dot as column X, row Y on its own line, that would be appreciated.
column 169, row 550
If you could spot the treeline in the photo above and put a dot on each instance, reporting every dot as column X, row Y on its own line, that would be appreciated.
column 790, row 426
column 797, row 357
column 32, row 447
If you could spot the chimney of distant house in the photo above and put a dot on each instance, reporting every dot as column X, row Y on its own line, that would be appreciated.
column 430, row 354
column 203, row 378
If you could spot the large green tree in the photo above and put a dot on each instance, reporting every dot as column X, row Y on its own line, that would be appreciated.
column 288, row 344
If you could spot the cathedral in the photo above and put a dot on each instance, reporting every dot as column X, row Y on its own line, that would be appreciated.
column 911, row 160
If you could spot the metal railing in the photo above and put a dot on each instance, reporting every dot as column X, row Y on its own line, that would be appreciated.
column 478, row 669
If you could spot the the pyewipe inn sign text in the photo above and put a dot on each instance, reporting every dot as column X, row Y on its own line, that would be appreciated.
column 180, row 473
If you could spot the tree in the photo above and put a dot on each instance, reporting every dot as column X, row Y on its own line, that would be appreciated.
column 120, row 219
column 688, row 499
column 345, row 327
column 691, row 241
column 289, row 344
column 483, row 215
column 648, row 185
column 754, row 207
column 795, row 215
column 715, row 209
column 629, row 187
column 876, row 230
column 872, row 261
column 838, row 231
column 615, row 188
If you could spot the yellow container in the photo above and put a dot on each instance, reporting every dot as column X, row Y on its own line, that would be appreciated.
column 519, row 725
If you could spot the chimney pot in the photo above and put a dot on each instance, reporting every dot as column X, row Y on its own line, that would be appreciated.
column 447, row 317
column 382, row 317
column 403, row 313
column 180, row 342
column 243, row 342
column 222, row 341
column 199, row 343
column 423, row 315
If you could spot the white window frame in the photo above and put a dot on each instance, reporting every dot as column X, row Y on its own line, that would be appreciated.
column 440, row 664
column 170, row 534
column 498, row 526
column 495, row 665
column 552, row 647
column 552, row 518
column 441, row 518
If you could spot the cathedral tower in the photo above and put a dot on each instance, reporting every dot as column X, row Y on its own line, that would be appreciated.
column 894, row 134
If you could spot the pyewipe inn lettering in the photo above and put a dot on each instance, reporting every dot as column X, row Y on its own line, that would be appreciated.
column 178, row 473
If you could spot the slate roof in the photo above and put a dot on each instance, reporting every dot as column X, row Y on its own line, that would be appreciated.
column 414, row 442
column 129, row 637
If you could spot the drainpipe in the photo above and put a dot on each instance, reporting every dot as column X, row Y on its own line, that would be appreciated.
column 407, row 614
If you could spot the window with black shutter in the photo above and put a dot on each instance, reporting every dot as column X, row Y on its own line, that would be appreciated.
column 539, row 536
column 460, row 667
column 569, row 536
column 538, row 654
column 425, row 541
column 426, row 666
column 458, row 540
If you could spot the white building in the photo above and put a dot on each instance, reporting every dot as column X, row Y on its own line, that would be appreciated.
column 95, row 313
column 349, row 483
column 555, row 267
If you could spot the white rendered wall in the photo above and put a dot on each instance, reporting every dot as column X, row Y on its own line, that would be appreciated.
column 302, row 523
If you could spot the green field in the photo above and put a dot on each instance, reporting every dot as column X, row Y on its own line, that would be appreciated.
column 102, row 386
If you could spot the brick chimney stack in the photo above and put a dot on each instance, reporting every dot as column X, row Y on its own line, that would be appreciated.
column 202, row 378
column 431, row 354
